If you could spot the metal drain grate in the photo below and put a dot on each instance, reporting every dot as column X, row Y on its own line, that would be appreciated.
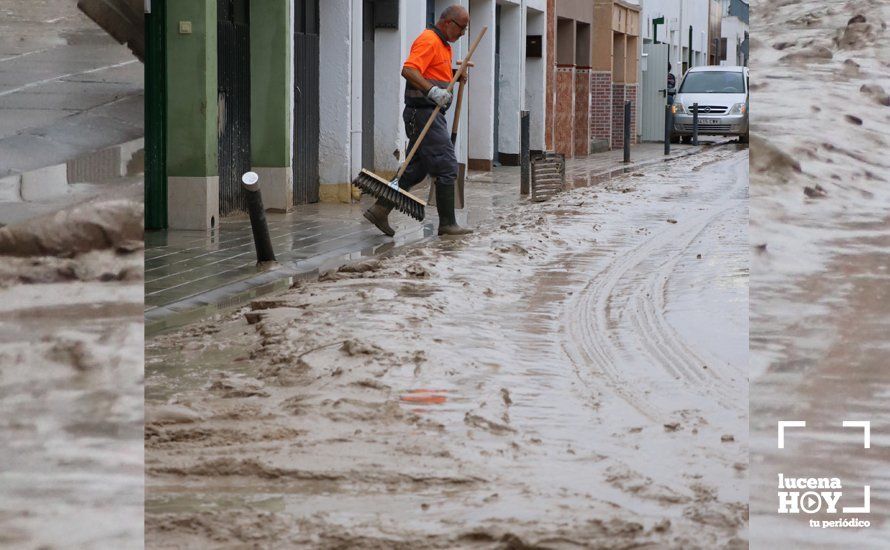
column 548, row 175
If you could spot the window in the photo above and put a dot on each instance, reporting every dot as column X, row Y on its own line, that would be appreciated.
column 713, row 82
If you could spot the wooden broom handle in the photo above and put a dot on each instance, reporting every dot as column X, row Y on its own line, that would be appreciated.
column 460, row 99
column 457, row 75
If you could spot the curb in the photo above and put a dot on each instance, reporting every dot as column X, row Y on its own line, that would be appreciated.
column 234, row 295
column 219, row 300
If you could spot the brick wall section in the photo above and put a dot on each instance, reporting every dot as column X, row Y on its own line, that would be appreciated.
column 564, row 111
column 582, row 112
column 630, row 94
column 550, row 76
column 618, row 116
column 601, row 105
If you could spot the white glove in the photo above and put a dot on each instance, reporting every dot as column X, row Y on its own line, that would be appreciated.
column 439, row 96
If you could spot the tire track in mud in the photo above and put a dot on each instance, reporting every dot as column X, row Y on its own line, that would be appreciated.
column 591, row 317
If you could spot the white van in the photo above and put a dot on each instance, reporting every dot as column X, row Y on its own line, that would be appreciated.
column 722, row 97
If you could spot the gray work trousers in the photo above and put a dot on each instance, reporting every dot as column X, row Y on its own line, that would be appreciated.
column 435, row 156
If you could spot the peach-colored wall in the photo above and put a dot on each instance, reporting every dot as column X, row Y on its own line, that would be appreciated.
column 579, row 10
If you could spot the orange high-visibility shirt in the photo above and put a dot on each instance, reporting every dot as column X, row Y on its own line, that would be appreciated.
column 431, row 56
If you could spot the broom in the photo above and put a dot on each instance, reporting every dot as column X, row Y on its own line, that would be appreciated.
column 378, row 187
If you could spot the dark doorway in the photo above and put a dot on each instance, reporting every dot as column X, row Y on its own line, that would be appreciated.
column 430, row 13
column 306, row 47
column 368, row 84
column 233, row 73
column 156, row 117
column 497, row 82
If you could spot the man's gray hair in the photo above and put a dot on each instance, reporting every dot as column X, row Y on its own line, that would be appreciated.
column 451, row 12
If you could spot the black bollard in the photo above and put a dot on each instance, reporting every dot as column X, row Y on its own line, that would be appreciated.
column 695, row 123
column 667, row 129
column 261, row 239
column 524, row 160
column 627, row 131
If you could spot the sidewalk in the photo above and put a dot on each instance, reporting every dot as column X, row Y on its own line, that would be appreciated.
column 190, row 275
column 71, row 108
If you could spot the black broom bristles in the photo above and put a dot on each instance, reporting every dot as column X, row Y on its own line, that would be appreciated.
column 378, row 187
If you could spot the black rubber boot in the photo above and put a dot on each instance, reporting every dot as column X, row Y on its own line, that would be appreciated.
column 445, row 207
column 378, row 214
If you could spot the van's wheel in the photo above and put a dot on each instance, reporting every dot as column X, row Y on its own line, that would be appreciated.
column 675, row 138
column 743, row 138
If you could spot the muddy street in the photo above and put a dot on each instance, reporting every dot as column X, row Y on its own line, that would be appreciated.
column 71, row 373
column 572, row 375
column 820, row 232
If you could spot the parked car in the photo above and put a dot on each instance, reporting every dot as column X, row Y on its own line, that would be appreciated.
column 723, row 100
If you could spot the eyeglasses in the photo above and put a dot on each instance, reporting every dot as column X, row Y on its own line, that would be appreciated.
column 463, row 28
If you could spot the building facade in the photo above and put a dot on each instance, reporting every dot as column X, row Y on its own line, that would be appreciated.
column 683, row 25
column 308, row 92
column 734, row 32
column 594, row 52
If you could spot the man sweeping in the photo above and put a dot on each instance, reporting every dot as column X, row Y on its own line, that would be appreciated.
column 428, row 72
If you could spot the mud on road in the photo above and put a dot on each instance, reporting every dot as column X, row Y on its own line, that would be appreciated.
column 820, row 226
column 572, row 375
column 71, row 374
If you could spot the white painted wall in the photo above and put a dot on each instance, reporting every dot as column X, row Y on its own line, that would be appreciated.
column 335, row 92
column 733, row 29
column 388, row 89
column 535, row 81
column 694, row 12
column 480, row 106
column 511, row 86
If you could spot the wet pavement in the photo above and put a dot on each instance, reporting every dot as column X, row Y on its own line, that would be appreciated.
column 183, row 265
column 66, row 87
column 820, row 302
column 572, row 375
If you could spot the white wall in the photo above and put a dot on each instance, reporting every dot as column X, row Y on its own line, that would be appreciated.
column 388, row 90
column 340, row 87
column 535, row 81
column 480, row 107
column 510, row 86
column 695, row 13
column 335, row 79
column 733, row 29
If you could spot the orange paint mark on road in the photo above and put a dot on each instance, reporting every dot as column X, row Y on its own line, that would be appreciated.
column 425, row 396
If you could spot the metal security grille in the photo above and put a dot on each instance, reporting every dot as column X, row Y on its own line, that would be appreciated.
column 548, row 175
column 306, row 119
column 233, row 62
column 368, row 84
column 711, row 109
column 156, row 117
column 705, row 128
